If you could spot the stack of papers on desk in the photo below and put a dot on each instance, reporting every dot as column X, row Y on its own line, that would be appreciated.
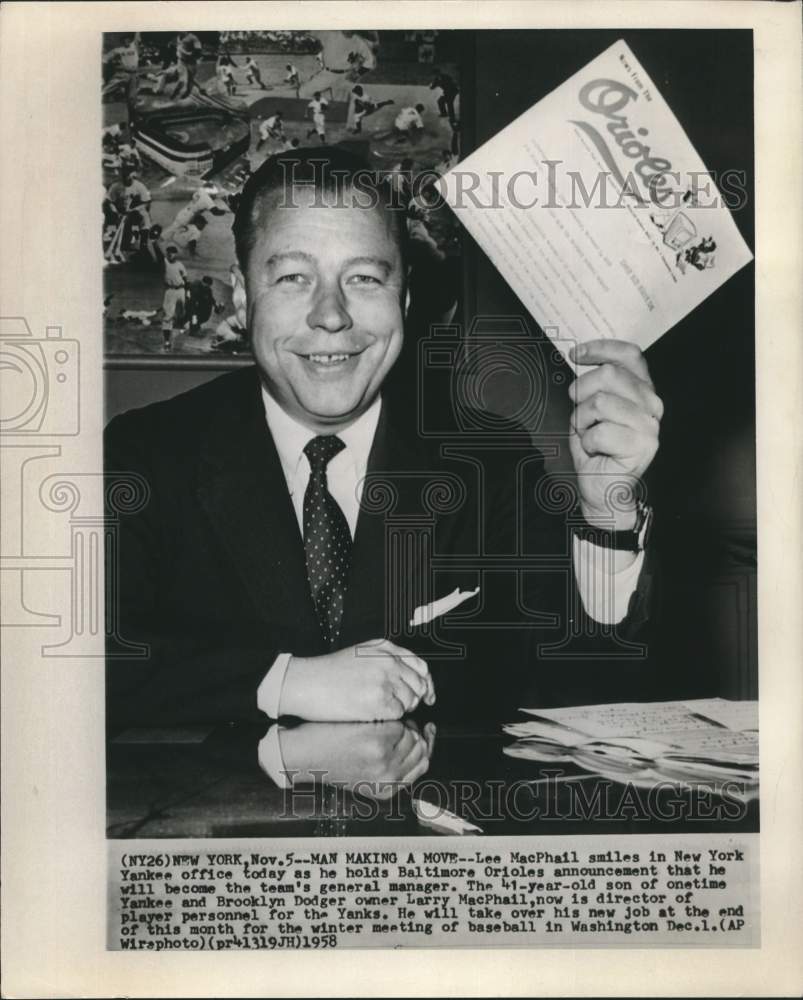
column 709, row 741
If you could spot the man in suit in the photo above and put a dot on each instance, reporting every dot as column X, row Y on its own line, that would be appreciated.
column 297, row 521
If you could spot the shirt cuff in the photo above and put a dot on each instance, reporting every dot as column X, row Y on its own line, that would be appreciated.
column 605, row 594
column 269, row 755
column 269, row 692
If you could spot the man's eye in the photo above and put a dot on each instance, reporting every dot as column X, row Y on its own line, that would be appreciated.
column 364, row 279
column 291, row 279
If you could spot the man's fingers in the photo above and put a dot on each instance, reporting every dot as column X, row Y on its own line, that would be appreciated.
column 415, row 773
column 414, row 681
column 394, row 709
column 429, row 697
column 610, row 439
column 608, row 378
column 404, row 689
column 405, row 739
column 417, row 664
column 617, row 352
column 616, row 409
column 405, row 696
column 414, row 670
column 618, row 382
column 416, row 751
column 396, row 650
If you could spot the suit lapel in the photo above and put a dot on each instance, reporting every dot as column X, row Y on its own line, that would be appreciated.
column 242, row 488
column 389, row 567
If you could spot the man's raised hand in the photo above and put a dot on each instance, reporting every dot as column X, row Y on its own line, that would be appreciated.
column 614, row 424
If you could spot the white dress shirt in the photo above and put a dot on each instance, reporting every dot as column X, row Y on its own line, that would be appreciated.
column 605, row 594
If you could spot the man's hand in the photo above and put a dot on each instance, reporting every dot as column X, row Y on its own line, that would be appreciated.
column 375, row 758
column 373, row 681
column 614, row 426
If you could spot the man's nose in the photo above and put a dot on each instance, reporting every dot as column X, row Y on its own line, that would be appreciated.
column 329, row 310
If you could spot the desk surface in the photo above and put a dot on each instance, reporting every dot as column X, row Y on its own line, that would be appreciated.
column 209, row 783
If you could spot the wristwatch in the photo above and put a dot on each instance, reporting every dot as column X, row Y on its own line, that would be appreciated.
column 632, row 540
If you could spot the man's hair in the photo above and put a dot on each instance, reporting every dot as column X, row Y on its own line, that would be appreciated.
column 328, row 170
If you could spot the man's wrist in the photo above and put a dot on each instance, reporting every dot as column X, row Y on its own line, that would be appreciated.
column 269, row 692
column 292, row 689
column 620, row 519
column 622, row 529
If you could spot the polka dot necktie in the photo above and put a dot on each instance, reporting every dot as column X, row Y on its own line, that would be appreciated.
column 327, row 539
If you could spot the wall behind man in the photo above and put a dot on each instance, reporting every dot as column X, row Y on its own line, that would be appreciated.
column 131, row 387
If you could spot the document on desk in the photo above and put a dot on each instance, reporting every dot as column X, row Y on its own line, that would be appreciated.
column 710, row 730
column 659, row 719
column 598, row 211
column 708, row 739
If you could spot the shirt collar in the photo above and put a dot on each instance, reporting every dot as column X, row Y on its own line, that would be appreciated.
column 291, row 437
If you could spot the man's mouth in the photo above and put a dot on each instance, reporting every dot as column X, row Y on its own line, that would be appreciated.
column 330, row 360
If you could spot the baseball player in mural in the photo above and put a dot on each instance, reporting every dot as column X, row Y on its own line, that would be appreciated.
column 126, row 75
column 175, row 296
column 317, row 108
column 128, row 205
column 188, row 52
column 204, row 199
column 293, row 79
column 253, row 74
column 225, row 74
column 271, row 128
column 448, row 93
column 407, row 126
column 362, row 105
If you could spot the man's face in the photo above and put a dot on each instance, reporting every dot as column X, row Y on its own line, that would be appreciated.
column 324, row 289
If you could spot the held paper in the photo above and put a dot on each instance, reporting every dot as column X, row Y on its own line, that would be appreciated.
column 597, row 210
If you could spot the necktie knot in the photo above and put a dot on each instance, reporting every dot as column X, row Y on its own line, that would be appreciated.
column 321, row 450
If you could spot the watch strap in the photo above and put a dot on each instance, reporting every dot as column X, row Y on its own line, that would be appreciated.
column 630, row 540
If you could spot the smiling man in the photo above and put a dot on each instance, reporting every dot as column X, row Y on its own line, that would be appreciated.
column 296, row 523
column 324, row 289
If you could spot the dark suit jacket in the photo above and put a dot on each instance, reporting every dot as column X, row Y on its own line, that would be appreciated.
column 210, row 573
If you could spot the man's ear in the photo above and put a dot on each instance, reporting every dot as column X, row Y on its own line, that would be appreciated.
column 406, row 293
column 241, row 311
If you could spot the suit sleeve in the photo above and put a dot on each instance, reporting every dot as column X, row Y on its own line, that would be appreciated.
column 161, row 671
column 532, row 641
column 577, row 659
